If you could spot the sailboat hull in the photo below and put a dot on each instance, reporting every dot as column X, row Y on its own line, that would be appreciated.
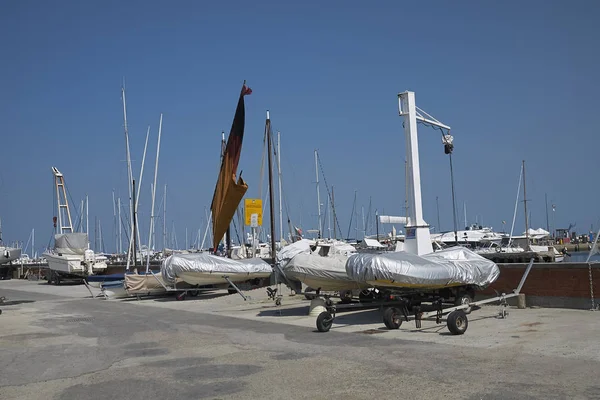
column 216, row 278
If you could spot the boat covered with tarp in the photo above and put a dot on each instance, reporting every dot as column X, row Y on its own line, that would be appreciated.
column 207, row 269
column 456, row 266
column 318, row 272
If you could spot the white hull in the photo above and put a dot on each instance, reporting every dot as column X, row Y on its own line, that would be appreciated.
column 73, row 264
column 8, row 254
column 215, row 278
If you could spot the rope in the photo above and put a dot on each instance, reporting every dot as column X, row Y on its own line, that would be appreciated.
column 328, row 193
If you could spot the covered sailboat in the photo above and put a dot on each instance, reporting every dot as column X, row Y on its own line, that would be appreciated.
column 318, row 264
column 456, row 266
column 206, row 269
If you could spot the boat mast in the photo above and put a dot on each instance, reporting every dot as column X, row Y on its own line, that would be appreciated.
column 151, row 238
column 137, row 198
column 547, row 221
column 279, row 186
column 87, row 219
column 437, row 204
column 318, row 194
column 128, row 155
column 165, row 218
column 114, row 204
column 120, row 246
column 133, row 232
column 525, row 208
column 333, row 211
column 271, row 205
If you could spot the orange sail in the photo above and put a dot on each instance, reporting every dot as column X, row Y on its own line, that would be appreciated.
column 229, row 193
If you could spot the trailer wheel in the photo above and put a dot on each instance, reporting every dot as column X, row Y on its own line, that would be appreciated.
column 193, row 293
column 346, row 296
column 56, row 279
column 278, row 301
column 180, row 296
column 324, row 321
column 464, row 298
column 392, row 318
column 457, row 322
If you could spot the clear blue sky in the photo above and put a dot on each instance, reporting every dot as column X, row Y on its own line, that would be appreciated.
column 515, row 80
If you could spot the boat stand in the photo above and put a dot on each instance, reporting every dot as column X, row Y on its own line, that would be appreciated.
column 456, row 319
column 236, row 288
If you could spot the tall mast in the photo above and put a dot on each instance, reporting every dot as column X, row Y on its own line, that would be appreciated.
column 271, row 205
column 134, row 218
column 437, row 204
column 96, row 234
column 151, row 244
column 114, row 204
column 100, row 234
column 279, row 186
column 128, row 155
column 87, row 219
column 333, row 211
column 165, row 218
column 120, row 246
column 525, row 207
column 363, row 221
column 137, row 198
column 328, row 218
column 318, row 194
column 547, row 221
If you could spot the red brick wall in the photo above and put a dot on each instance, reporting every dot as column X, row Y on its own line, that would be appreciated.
column 572, row 281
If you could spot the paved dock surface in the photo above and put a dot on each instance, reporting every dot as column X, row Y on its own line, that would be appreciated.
column 58, row 343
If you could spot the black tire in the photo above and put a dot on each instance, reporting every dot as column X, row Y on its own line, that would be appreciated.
column 366, row 296
column 193, row 293
column 180, row 296
column 0, row 312
column 278, row 301
column 324, row 321
column 392, row 318
column 346, row 296
column 464, row 298
column 231, row 291
column 457, row 322
column 309, row 296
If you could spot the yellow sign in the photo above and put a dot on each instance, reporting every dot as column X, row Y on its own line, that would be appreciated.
column 253, row 212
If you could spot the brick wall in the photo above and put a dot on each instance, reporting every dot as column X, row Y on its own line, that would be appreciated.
column 556, row 280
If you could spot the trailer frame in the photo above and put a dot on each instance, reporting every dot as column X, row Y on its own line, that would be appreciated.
column 396, row 311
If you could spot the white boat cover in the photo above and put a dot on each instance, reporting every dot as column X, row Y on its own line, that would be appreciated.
column 328, row 273
column 450, row 267
column 208, row 263
column 71, row 243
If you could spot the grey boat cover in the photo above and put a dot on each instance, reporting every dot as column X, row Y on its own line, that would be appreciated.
column 173, row 265
column 291, row 250
column 71, row 243
column 330, row 271
column 450, row 267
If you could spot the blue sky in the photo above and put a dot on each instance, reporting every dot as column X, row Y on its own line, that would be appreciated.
column 515, row 80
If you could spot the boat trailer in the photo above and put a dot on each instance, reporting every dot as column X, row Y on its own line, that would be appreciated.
column 394, row 313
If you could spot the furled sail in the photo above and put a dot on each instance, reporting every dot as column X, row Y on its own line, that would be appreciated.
column 229, row 193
